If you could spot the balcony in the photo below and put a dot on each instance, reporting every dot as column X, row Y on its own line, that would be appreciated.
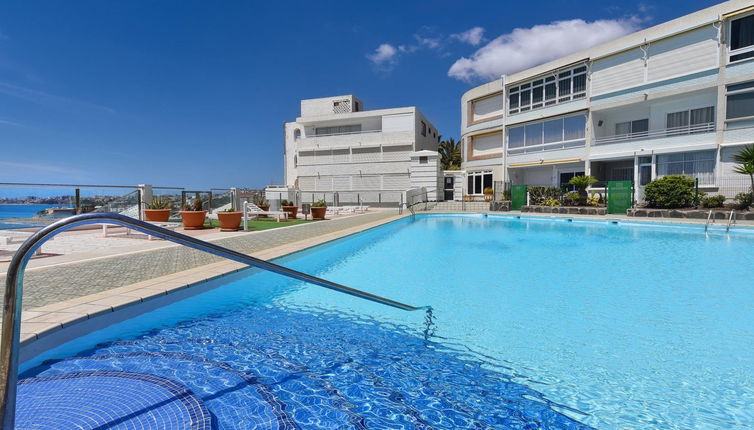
column 359, row 138
column 656, row 134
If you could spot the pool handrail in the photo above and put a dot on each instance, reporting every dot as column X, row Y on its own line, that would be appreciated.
column 11, row 328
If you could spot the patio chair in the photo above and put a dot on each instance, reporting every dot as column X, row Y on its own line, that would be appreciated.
column 251, row 211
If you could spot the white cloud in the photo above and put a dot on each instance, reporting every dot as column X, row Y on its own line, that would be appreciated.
column 527, row 47
column 429, row 42
column 384, row 54
column 473, row 36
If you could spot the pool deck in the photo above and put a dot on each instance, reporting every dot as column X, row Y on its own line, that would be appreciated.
column 65, row 290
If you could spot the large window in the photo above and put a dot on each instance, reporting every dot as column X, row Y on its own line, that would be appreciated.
column 559, row 133
column 637, row 128
column 742, row 38
column 561, row 86
column 699, row 165
column 478, row 181
column 693, row 120
column 338, row 129
column 740, row 101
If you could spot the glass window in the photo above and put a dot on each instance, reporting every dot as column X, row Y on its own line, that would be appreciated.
column 338, row 129
column 703, row 115
column 554, row 131
column 536, row 95
column 574, row 127
column 550, row 92
column 742, row 33
column 740, row 105
column 525, row 98
column 640, row 126
column 513, row 101
column 579, row 84
column 564, row 87
column 424, row 129
column 478, row 181
column 534, row 134
column 699, row 165
column 622, row 128
column 515, row 137
column 677, row 119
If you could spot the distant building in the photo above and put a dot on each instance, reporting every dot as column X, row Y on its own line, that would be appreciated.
column 336, row 146
column 676, row 98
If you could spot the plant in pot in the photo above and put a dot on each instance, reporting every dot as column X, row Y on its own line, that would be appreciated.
column 230, row 219
column 261, row 203
column 318, row 209
column 488, row 192
column 158, row 210
column 290, row 207
column 193, row 215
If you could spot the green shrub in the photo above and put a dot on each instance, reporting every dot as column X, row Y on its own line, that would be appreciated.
column 488, row 191
column 582, row 183
column 286, row 203
column 713, row 201
column 196, row 205
column 319, row 204
column 538, row 194
column 669, row 192
column 551, row 202
column 571, row 199
column 594, row 200
column 744, row 200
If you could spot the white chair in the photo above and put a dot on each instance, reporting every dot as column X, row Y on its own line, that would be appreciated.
column 251, row 211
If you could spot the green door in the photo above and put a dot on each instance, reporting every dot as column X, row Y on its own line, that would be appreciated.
column 619, row 196
column 518, row 196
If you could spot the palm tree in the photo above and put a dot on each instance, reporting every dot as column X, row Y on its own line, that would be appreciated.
column 745, row 158
column 450, row 154
column 582, row 183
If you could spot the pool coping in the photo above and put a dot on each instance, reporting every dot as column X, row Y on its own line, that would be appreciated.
column 41, row 322
column 38, row 324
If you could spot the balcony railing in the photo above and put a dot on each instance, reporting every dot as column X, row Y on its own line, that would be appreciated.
column 372, row 137
column 655, row 134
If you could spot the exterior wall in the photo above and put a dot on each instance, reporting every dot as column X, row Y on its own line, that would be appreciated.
column 425, row 173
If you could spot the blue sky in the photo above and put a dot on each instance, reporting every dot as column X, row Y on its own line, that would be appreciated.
column 194, row 93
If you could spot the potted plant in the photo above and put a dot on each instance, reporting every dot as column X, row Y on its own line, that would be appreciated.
column 289, row 207
column 158, row 210
column 230, row 219
column 193, row 215
column 488, row 192
column 261, row 203
column 318, row 209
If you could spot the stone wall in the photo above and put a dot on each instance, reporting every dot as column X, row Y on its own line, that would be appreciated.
column 688, row 213
column 568, row 210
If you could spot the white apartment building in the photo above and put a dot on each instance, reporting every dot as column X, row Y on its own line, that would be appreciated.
column 336, row 146
column 676, row 98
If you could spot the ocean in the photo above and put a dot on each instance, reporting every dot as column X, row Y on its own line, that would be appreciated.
column 19, row 211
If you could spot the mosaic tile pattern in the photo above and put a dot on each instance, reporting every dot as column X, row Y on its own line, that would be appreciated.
column 56, row 284
column 278, row 367
column 112, row 399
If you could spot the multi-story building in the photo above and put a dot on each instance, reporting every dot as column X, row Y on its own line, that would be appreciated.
column 676, row 98
column 336, row 146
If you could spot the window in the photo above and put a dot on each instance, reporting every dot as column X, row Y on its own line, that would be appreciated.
column 691, row 121
column 699, row 165
column 560, row 133
column 740, row 100
column 423, row 160
column 741, row 38
column 478, row 181
column 562, row 86
column 338, row 129
column 297, row 134
column 639, row 127
column 567, row 176
column 424, row 129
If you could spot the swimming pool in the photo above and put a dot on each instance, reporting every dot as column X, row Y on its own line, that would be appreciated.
column 537, row 323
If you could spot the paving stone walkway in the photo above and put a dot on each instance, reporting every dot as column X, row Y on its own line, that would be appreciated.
column 53, row 284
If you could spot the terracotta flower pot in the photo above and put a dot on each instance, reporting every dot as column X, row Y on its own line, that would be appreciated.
column 292, row 211
column 264, row 208
column 318, row 212
column 193, row 220
column 229, row 221
column 160, row 215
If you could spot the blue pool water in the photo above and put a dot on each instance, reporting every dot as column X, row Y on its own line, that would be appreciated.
column 537, row 323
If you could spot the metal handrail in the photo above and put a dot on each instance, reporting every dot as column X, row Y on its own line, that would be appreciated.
column 10, row 341
column 731, row 220
column 709, row 217
column 707, row 127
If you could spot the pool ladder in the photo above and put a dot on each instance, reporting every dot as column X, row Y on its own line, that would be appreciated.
column 731, row 220
column 9, row 343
